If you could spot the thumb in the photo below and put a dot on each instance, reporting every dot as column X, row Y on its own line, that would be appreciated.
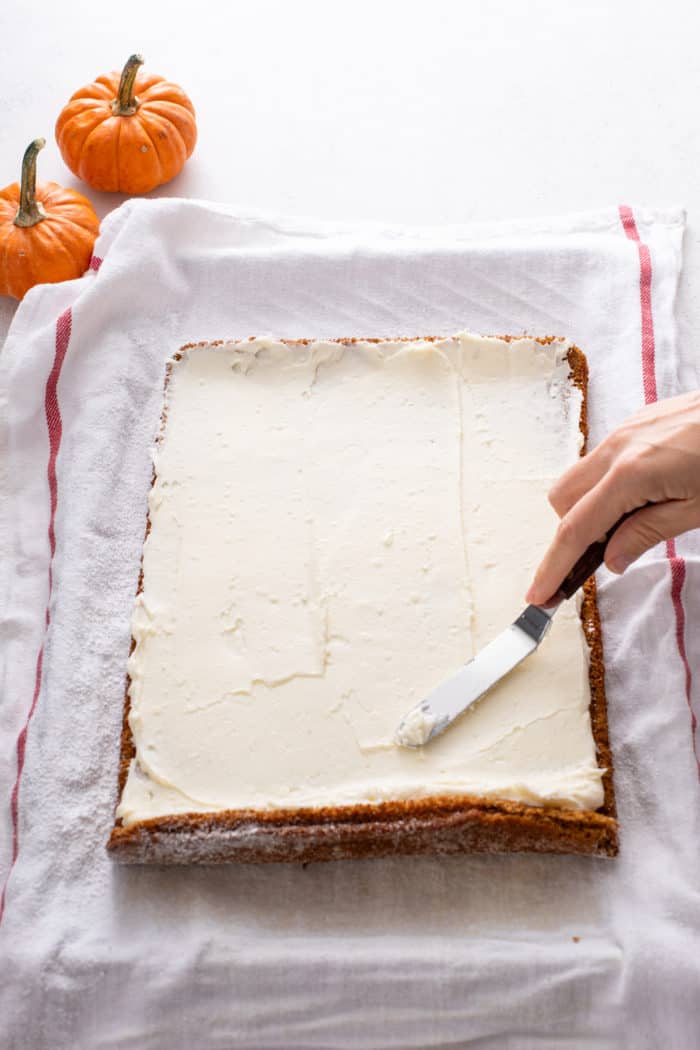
column 646, row 528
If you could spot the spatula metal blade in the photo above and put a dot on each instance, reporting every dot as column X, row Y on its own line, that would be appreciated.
column 452, row 698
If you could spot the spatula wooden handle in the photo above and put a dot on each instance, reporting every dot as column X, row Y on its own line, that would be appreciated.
column 591, row 559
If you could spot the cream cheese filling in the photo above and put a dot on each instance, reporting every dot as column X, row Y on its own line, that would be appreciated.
column 335, row 529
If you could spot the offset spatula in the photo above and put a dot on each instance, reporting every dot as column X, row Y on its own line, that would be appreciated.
column 432, row 716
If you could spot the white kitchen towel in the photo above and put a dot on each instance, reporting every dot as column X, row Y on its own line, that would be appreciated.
column 486, row 952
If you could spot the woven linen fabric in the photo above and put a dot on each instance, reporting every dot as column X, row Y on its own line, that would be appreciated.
column 489, row 952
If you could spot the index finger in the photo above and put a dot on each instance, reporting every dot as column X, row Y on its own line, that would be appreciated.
column 580, row 477
column 587, row 521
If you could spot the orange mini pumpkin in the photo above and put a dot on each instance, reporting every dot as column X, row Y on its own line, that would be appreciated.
column 46, row 231
column 129, row 132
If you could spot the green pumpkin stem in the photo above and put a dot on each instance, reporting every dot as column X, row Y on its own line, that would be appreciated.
column 126, row 103
column 30, row 211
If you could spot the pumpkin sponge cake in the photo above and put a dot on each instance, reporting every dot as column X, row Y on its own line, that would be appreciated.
column 334, row 528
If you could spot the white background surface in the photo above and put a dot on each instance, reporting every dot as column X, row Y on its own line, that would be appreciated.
column 442, row 113
column 437, row 112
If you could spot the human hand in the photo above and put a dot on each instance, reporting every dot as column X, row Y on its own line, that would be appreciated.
column 653, row 457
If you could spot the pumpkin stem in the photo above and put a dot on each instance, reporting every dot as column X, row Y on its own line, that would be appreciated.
column 30, row 211
column 126, row 103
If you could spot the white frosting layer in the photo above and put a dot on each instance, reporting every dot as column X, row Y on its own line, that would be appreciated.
column 334, row 531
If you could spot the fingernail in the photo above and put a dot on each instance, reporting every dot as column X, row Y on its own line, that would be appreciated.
column 619, row 565
column 530, row 595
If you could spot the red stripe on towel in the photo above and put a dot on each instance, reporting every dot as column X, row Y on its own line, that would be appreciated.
column 677, row 581
column 648, row 346
column 676, row 563
column 53, row 423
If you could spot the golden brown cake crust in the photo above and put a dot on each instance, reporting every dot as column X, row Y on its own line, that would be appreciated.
column 437, row 825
